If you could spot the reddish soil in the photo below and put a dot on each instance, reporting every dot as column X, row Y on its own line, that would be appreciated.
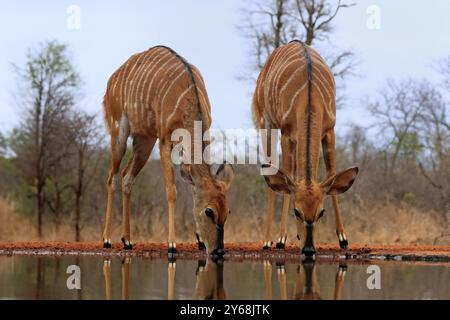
column 235, row 251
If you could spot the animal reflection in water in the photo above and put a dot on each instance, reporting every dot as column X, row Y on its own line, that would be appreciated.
column 125, row 278
column 209, row 285
column 209, row 282
column 306, row 284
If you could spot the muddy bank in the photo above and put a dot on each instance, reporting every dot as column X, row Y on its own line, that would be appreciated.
column 235, row 251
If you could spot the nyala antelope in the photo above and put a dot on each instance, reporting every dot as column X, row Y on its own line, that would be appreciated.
column 125, row 274
column 209, row 284
column 296, row 93
column 152, row 94
column 306, row 285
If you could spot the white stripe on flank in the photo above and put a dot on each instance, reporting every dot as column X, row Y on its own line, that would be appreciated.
column 320, row 92
column 291, row 104
column 327, row 82
column 155, row 75
column 276, row 54
column 151, row 74
column 116, row 78
column 133, row 83
column 284, row 54
column 198, row 77
column 161, row 87
column 170, row 87
column 147, row 72
column 318, row 56
column 322, row 87
column 140, row 72
column 130, row 73
column 276, row 82
column 281, row 69
column 119, row 83
column 175, row 110
column 323, row 67
column 287, row 58
column 288, row 82
column 205, row 100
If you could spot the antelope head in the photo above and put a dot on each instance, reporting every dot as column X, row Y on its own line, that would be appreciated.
column 308, row 198
column 209, row 284
column 210, row 203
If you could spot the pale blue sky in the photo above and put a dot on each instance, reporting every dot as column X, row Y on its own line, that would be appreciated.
column 413, row 36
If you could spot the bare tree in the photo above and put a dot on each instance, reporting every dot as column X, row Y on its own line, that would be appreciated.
column 272, row 23
column 86, row 138
column 3, row 145
column 48, row 84
column 398, row 112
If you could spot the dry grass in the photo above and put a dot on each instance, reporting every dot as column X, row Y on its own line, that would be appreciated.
column 13, row 227
column 381, row 223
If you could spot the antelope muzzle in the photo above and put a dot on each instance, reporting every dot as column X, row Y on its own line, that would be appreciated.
column 308, row 249
column 219, row 250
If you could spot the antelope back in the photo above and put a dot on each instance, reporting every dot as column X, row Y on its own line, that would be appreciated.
column 158, row 91
column 294, row 79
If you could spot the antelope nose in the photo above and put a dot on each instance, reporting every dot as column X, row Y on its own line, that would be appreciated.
column 308, row 249
column 219, row 252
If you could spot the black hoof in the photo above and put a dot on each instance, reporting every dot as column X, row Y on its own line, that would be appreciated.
column 309, row 251
column 172, row 250
column 280, row 246
column 201, row 246
column 267, row 245
column 342, row 267
column 200, row 264
column 172, row 259
column 343, row 244
column 107, row 245
column 127, row 244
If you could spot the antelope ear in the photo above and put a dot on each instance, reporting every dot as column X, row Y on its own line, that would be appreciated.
column 341, row 182
column 279, row 182
column 225, row 173
column 185, row 172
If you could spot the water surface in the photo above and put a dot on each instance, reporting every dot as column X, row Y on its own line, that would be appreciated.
column 43, row 277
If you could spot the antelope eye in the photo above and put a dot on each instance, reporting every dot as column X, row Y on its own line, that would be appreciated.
column 321, row 213
column 229, row 211
column 297, row 214
column 209, row 213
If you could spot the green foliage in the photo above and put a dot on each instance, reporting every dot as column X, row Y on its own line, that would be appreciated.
column 13, row 186
column 410, row 144
column 410, row 198
column 50, row 62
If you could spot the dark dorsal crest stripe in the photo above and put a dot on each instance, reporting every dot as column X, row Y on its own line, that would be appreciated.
column 194, row 83
column 309, row 68
column 191, row 75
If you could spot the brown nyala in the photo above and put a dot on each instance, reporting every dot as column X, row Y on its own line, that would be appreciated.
column 296, row 93
column 209, row 284
column 307, row 286
column 152, row 94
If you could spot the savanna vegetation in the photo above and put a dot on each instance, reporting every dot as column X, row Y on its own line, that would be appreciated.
column 53, row 165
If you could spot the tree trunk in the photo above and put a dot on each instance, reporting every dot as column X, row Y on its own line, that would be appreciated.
column 40, row 209
column 79, row 193
column 77, row 216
